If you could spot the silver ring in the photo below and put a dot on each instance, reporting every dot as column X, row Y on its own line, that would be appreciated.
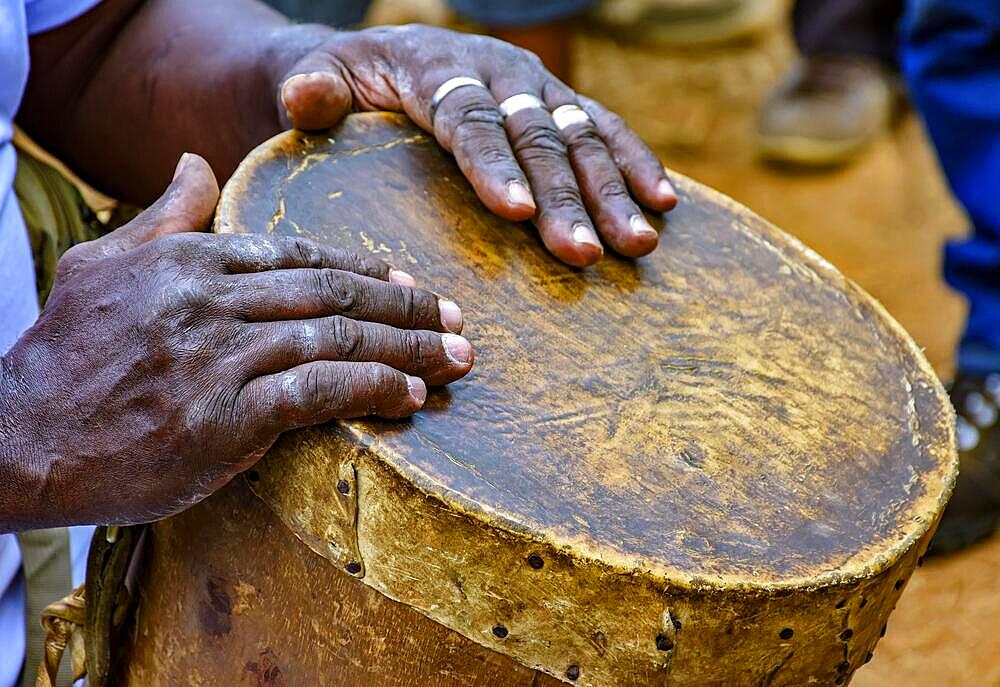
column 450, row 85
column 521, row 101
column 567, row 115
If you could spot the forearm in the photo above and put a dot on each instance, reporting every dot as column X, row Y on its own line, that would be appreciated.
column 120, row 93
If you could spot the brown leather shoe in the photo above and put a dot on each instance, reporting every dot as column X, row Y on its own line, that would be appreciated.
column 974, row 510
column 827, row 110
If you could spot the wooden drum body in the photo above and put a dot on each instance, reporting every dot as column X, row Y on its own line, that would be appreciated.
column 716, row 465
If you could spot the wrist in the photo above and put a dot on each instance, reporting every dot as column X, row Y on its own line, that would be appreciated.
column 25, row 478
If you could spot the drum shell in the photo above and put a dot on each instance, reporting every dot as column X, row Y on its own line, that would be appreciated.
column 244, row 595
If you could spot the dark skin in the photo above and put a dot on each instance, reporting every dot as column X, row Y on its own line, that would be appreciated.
column 167, row 359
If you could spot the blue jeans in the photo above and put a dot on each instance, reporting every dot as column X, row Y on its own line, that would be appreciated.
column 950, row 55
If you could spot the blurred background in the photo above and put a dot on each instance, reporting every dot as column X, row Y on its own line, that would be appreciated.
column 795, row 110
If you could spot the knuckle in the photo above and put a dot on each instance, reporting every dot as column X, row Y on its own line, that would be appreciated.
column 475, row 124
column 426, row 310
column 362, row 265
column 479, row 113
column 184, row 249
column 181, row 305
column 587, row 140
column 337, row 290
column 614, row 188
column 306, row 252
column 416, row 307
column 378, row 380
column 493, row 154
column 304, row 342
column 191, row 296
column 346, row 338
column 418, row 348
column 539, row 140
column 564, row 197
column 316, row 389
column 408, row 308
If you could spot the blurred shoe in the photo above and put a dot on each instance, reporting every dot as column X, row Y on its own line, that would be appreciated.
column 827, row 110
column 685, row 23
column 974, row 510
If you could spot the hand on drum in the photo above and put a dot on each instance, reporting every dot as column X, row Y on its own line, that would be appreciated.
column 169, row 360
column 530, row 146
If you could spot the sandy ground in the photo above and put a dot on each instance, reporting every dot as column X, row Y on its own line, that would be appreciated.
column 881, row 221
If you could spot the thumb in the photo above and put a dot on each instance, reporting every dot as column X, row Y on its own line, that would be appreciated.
column 188, row 204
column 313, row 94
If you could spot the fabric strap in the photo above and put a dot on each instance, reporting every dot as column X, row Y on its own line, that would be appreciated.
column 48, row 574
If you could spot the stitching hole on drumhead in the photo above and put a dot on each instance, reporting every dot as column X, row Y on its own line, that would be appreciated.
column 920, row 561
column 500, row 632
column 535, row 561
column 786, row 633
column 841, row 603
column 881, row 633
column 343, row 487
column 840, row 680
column 573, row 672
column 846, row 634
column 843, row 667
column 253, row 475
column 664, row 643
column 354, row 567
column 899, row 584
column 868, row 656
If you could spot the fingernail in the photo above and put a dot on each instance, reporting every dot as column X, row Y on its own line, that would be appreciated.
column 518, row 194
column 458, row 349
column 402, row 278
column 291, row 82
column 181, row 164
column 418, row 390
column 640, row 226
column 584, row 234
column 294, row 81
column 666, row 190
column 451, row 315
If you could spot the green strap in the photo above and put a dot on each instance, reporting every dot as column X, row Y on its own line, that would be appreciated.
column 48, row 573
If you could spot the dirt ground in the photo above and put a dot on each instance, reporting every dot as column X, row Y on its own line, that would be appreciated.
column 881, row 221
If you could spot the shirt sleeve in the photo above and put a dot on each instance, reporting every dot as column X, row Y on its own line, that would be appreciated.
column 43, row 15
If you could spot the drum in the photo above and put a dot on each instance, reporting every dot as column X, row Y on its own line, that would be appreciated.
column 715, row 465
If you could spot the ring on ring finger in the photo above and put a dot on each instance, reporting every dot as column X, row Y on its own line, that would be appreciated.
column 566, row 116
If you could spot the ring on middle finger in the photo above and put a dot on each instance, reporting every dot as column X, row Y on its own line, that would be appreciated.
column 566, row 116
column 520, row 101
